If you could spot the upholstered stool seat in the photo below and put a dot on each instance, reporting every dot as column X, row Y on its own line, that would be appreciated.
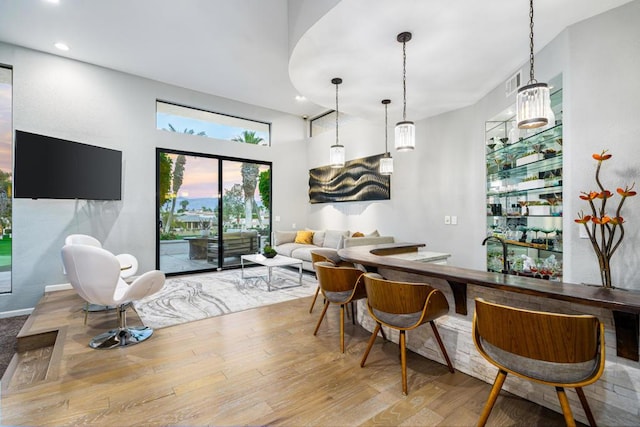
column 559, row 350
column 403, row 306
column 327, row 255
column 339, row 285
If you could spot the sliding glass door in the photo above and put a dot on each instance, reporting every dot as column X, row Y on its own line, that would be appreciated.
column 6, row 171
column 245, row 209
column 211, row 210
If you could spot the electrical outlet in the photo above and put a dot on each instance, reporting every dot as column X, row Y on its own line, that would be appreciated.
column 454, row 220
column 277, row 218
column 447, row 219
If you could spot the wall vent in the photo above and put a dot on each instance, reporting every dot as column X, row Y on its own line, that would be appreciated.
column 513, row 83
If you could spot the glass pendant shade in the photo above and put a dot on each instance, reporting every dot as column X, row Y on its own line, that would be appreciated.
column 336, row 156
column 386, row 165
column 405, row 136
column 531, row 104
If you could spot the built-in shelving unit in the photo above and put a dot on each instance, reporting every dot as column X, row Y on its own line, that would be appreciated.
column 524, row 194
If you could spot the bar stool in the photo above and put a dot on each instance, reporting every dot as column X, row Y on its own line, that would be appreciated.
column 328, row 255
column 403, row 306
column 559, row 350
column 339, row 285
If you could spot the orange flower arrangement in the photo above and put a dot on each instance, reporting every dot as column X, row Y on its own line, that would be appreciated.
column 605, row 232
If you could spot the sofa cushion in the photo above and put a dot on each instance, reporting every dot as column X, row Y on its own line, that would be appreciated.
column 318, row 238
column 296, row 250
column 304, row 237
column 286, row 248
column 302, row 252
column 281, row 237
column 333, row 238
column 374, row 233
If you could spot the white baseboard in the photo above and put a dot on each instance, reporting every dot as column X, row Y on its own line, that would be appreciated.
column 48, row 288
column 61, row 287
column 14, row 313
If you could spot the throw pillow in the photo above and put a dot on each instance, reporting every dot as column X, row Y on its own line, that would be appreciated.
column 282, row 237
column 333, row 238
column 357, row 234
column 374, row 234
column 304, row 237
column 318, row 238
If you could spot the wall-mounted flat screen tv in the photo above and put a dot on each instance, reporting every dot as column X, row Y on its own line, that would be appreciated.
column 53, row 168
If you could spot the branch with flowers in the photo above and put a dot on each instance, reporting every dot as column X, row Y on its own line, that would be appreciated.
column 605, row 232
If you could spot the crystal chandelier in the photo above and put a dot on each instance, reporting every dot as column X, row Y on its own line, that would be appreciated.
column 533, row 99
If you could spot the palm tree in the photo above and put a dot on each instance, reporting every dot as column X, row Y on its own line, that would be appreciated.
column 250, row 172
column 178, row 173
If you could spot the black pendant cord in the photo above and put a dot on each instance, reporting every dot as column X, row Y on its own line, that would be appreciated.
column 337, row 114
column 404, row 80
column 531, row 60
column 404, row 38
column 386, row 103
column 386, row 128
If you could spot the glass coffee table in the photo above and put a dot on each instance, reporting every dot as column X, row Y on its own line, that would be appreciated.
column 277, row 261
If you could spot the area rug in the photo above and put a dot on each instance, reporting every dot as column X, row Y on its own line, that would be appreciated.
column 195, row 297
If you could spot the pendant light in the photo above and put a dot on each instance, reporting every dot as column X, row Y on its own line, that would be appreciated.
column 336, row 152
column 405, row 130
column 533, row 99
column 386, row 162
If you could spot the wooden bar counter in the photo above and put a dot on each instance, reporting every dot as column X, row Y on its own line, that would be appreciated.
column 614, row 398
column 625, row 305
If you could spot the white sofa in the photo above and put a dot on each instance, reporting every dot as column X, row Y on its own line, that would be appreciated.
column 284, row 243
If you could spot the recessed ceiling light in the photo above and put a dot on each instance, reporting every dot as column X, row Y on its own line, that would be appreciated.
column 53, row 1
column 300, row 98
column 61, row 46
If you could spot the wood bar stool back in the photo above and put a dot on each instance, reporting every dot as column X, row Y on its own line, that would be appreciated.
column 403, row 306
column 559, row 350
column 339, row 285
column 328, row 255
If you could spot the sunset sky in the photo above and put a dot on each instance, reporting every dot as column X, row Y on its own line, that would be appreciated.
column 6, row 128
column 201, row 176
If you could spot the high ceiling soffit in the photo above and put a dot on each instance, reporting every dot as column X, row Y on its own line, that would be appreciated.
column 247, row 50
column 460, row 51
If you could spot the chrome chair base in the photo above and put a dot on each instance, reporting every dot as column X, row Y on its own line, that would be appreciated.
column 93, row 308
column 121, row 337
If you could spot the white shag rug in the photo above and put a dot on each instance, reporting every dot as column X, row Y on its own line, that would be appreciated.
column 195, row 297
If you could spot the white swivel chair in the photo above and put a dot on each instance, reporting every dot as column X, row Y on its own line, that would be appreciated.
column 95, row 274
column 128, row 262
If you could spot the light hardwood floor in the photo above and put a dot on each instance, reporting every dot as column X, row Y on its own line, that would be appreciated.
column 257, row 367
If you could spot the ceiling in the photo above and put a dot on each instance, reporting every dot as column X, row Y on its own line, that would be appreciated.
column 461, row 49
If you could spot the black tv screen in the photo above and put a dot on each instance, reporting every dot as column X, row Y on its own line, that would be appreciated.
column 53, row 168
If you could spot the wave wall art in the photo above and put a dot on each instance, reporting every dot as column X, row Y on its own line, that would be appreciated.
column 358, row 180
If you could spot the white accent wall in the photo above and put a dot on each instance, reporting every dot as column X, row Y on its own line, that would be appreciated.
column 72, row 100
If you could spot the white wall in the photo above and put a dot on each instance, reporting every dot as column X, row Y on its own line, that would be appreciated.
column 445, row 175
column 84, row 103
column 602, row 110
